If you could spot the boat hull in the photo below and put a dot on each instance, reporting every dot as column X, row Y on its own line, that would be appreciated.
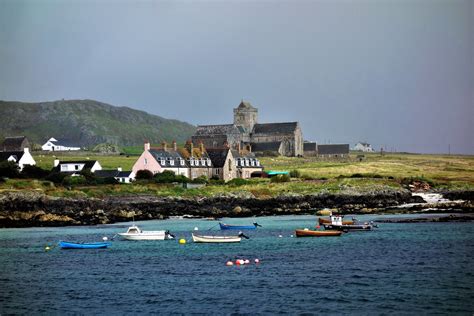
column 73, row 245
column 236, row 227
column 216, row 239
column 150, row 235
column 317, row 233
column 347, row 227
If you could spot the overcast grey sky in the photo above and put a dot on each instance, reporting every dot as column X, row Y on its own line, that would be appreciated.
column 398, row 73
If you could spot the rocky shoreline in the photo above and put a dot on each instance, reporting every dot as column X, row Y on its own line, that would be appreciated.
column 32, row 209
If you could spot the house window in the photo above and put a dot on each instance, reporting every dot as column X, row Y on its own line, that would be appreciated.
column 253, row 163
column 163, row 162
column 203, row 163
column 76, row 167
column 172, row 162
column 230, row 165
column 191, row 162
column 246, row 162
column 209, row 162
column 216, row 171
column 258, row 163
column 145, row 161
column 182, row 162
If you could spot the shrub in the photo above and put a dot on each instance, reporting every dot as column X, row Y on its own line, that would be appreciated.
column 200, row 180
column 34, row 172
column 89, row 177
column 217, row 181
column 280, row 178
column 144, row 175
column 108, row 180
column 9, row 169
column 56, row 177
column 237, row 182
column 295, row 173
column 76, row 180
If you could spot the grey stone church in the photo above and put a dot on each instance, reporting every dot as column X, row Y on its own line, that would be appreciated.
column 247, row 134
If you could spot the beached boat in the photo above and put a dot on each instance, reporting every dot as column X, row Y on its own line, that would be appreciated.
column 135, row 233
column 216, row 239
column 238, row 227
column 337, row 224
column 75, row 245
column 317, row 233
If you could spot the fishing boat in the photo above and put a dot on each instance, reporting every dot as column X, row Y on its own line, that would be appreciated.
column 135, row 233
column 323, row 221
column 216, row 239
column 238, row 227
column 75, row 245
column 337, row 224
column 317, row 233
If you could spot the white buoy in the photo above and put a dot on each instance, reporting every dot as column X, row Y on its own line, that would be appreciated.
column 229, row 263
column 195, row 228
column 291, row 236
column 105, row 238
column 257, row 261
column 280, row 236
column 247, row 261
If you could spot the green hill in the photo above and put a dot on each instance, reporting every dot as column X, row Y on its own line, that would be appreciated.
column 88, row 122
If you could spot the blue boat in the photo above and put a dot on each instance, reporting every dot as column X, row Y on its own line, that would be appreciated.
column 238, row 227
column 74, row 245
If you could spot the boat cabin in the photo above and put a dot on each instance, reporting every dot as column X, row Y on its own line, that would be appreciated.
column 134, row 230
column 336, row 220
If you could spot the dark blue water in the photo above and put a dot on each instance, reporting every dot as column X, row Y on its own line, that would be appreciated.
column 425, row 268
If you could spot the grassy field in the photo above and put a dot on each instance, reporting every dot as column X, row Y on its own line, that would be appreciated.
column 376, row 172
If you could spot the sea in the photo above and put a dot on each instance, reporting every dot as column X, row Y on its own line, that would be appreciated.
column 401, row 269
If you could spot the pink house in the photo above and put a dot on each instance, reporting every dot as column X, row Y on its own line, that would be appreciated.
column 147, row 162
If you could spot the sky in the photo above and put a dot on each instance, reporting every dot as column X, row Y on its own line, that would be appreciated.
column 394, row 73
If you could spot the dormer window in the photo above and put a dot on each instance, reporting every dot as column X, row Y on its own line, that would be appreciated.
column 246, row 162
column 191, row 162
column 172, row 162
column 163, row 162
column 203, row 162
column 258, row 163
column 253, row 163
column 208, row 162
column 182, row 162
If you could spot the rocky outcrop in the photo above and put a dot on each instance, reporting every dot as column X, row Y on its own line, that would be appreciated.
column 24, row 209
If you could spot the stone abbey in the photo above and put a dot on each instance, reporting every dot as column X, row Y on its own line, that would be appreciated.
column 247, row 134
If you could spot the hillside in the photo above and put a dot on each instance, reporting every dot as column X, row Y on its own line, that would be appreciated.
column 88, row 122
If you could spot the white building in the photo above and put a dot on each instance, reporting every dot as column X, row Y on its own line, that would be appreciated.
column 21, row 158
column 117, row 174
column 365, row 147
column 54, row 144
column 75, row 167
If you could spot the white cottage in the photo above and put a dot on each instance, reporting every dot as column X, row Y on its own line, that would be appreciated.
column 54, row 144
column 21, row 158
column 364, row 147
column 75, row 167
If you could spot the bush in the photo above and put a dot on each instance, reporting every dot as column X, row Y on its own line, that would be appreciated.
column 34, row 172
column 200, row 180
column 56, row 177
column 217, row 181
column 9, row 169
column 108, row 180
column 295, row 174
column 76, row 180
column 144, row 175
column 237, row 182
column 280, row 178
column 168, row 176
column 89, row 177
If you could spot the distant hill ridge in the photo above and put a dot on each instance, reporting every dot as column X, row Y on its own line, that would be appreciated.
column 88, row 122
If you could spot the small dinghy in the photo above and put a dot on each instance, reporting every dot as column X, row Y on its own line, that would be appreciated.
column 74, row 245
column 337, row 224
column 217, row 239
column 317, row 233
column 238, row 227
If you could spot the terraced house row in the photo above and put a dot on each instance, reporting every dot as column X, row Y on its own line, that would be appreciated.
column 193, row 162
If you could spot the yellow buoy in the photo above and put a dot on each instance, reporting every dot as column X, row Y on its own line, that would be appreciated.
column 182, row 241
column 47, row 248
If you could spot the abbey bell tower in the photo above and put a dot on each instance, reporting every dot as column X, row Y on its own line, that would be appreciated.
column 245, row 115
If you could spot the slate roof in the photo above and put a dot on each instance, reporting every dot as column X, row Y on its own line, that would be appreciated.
column 124, row 174
column 275, row 128
column 309, row 146
column 13, row 143
column 364, row 144
column 174, row 156
column 4, row 155
column 112, row 174
column 218, row 156
column 333, row 149
column 245, row 105
column 268, row 146
column 223, row 129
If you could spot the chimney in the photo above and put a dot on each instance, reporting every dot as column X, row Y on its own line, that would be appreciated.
column 26, row 150
column 164, row 145
column 239, row 148
column 201, row 147
column 119, row 169
column 56, row 162
column 175, row 147
column 147, row 145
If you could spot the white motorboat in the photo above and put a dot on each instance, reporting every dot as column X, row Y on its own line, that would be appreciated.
column 135, row 233
column 216, row 239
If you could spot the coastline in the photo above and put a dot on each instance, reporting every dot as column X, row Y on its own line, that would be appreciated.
column 34, row 209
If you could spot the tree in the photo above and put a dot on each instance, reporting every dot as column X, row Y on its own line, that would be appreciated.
column 144, row 175
column 34, row 172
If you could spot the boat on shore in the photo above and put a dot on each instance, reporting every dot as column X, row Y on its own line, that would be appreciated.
column 337, row 224
column 317, row 233
column 216, row 239
column 75, row 245
column 224, row 226
column 135, row 233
